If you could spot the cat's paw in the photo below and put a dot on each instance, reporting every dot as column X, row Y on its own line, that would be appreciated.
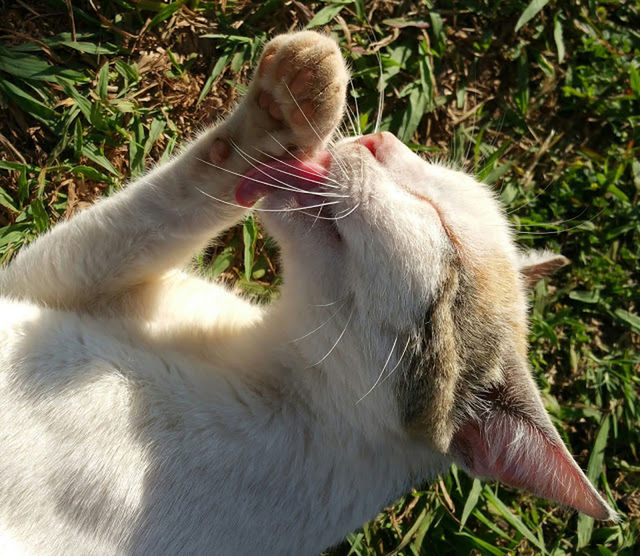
column 299, row 89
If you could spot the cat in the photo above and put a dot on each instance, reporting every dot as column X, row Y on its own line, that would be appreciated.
column 146, row 410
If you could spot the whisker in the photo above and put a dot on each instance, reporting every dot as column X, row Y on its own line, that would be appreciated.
column 293, row 190
column 315, row 220
column 309, row 122
column 342, row 215
column 381, row 89
column 289, row 209
column 336, row 342
column 530, row 200
column 358, row 129
column 305, row 116
column 292, row 155
column 404, row 350
column 263, row 153
column 393, row 347
column 558, row 223
column 349, row 114
column 342, row 135
column 339, row 163
column 326, row 304
column 333, row 218
column 319, row 327
column 557, row 232
column 473, row 126
column 380, row 86
column 247, row 156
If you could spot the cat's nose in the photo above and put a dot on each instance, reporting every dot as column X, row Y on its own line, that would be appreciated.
column 377, row 143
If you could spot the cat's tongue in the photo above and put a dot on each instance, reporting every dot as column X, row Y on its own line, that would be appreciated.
column 282, row 175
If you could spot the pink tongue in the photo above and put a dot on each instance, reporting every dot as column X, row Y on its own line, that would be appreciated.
column 280, row 175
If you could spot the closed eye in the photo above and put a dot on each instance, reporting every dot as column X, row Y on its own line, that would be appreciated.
column 453, row 238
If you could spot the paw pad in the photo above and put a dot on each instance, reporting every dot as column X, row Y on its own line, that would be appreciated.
column 300, row 84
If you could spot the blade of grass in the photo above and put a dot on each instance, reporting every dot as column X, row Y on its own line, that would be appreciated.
column 513, row 519
column 594, row 470
column 530, row 12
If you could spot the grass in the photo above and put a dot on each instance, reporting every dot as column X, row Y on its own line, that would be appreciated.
column 539, row 99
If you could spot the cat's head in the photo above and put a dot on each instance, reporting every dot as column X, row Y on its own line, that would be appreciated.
column 434, row 284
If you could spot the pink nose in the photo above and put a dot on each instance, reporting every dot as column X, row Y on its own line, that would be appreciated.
column 376, row 142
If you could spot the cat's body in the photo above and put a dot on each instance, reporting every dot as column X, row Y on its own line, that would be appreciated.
column 152, row 452
column 147, row 411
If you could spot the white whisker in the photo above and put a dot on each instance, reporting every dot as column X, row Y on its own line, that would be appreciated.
column 290, row 209
column 559, row 222
column 349, row 116
column 357, row 129
column 333, row 218
column 292, row 155
column 348, row 211
column 404, row 350
column 393, row 347
column 336, row 342
column 326, row 304
column 319, row 327
column 558, row 232
column 522, row 205
column 305, row 116
column 293, row 190
column 380, row 95
column 263, row 153
column 315, row 220
column 288, row 187
column 309, row 122
column 380, row 86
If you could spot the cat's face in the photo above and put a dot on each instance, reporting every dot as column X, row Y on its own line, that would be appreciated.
column 415, row 222
column 434, row 287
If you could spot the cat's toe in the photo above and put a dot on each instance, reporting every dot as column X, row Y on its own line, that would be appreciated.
column 301, row 84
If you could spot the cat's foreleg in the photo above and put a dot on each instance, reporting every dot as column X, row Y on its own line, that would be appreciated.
column 155, row 224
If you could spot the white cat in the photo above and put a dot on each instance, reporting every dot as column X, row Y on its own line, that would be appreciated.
column 147, row 411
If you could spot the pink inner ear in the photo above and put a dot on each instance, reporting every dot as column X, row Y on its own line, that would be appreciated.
column 511, row 450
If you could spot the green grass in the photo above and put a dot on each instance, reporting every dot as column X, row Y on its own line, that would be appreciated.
column 539, row 99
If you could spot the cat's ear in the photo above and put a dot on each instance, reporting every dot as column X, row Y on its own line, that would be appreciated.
column 537, row 264
column 509, row 437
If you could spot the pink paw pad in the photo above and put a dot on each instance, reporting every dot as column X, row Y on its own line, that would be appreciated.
column 267, row 60
column 219, row 151
column 301, row 82
column 303, row 112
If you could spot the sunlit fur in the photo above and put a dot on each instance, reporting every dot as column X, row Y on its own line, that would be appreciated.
column 145, row 410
